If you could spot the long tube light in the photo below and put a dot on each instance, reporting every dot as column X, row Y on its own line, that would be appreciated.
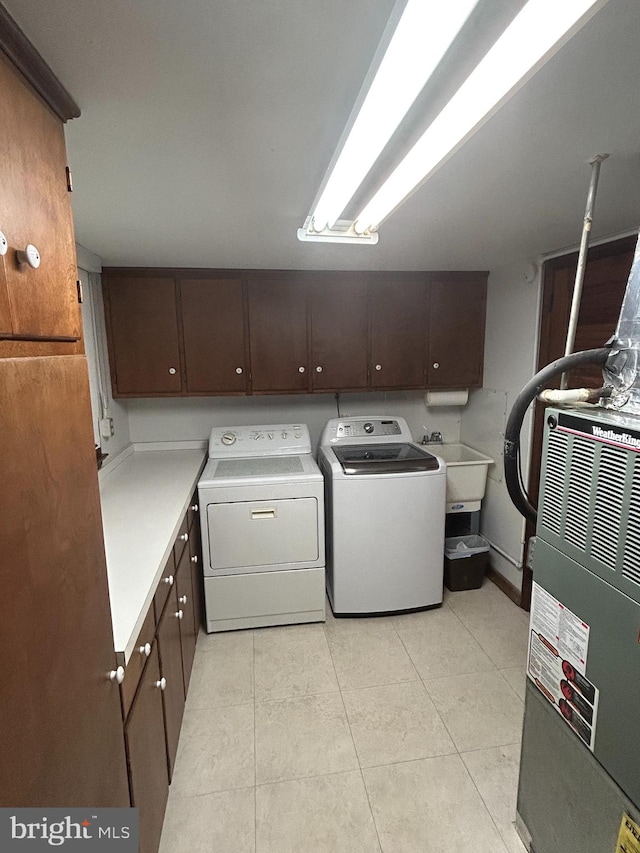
column 535, row 34
column 423, row 35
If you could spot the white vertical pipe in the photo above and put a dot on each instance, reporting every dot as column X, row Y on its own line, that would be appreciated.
column 582, row 260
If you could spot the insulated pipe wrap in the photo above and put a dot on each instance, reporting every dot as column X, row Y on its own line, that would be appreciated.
column 519, row 410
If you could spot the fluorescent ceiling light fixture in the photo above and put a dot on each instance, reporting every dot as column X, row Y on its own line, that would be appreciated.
column 535, row 34
column 342, row 232
column 422, row 37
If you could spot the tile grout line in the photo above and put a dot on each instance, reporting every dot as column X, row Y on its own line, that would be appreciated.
column 424, row 686
column 484, row 803
column 355, row 748
column 464, row 628
column 468, row 628
column 255, row 745
column 512, row 688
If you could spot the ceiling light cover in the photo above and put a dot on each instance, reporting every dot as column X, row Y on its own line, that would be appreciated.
column 423, row 35
column 535, row 34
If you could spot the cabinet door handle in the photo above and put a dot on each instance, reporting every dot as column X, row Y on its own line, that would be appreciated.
column 318, row 369
column 194, row 559
column 238, row 370
column 172, row 370
column 161, row 684
column 168, row 579
column 117, row 675
column 179, row 614
column 436, row 365
column 194, row 507
column 183, row 599
column 29, row 255
column 145, row 650
column 378, row 367
column 301, row 370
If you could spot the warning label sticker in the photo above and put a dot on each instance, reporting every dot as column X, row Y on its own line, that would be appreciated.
column 629, row 836
column 557, row 660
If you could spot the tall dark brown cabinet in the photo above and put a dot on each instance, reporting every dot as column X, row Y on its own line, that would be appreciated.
column 61, row 737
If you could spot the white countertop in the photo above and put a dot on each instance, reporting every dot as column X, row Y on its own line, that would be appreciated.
column 144, row 500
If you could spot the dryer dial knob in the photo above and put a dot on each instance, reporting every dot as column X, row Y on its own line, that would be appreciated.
column 368, row 428
column 228, row 438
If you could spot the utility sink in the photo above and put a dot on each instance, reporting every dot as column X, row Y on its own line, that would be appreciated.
column 466, row 476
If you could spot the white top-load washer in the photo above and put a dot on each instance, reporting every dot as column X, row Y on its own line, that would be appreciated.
column 385, row 508
column 262, row 517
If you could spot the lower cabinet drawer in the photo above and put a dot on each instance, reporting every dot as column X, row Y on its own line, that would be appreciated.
column 170, row 651
column 181, row 540
column 144, row 737
column 165, row 585
column 188, row 626
column 141, row 651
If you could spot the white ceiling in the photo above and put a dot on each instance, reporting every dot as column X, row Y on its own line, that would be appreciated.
column 207, row 126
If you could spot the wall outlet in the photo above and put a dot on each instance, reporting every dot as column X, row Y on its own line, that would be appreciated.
column 106, row 427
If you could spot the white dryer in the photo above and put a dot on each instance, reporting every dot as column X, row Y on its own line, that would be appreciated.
column 262, row 517
column 385, row 507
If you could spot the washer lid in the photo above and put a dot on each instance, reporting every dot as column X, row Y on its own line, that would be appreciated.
column 384, row 459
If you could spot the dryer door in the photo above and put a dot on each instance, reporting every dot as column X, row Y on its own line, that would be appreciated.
column 263, row 534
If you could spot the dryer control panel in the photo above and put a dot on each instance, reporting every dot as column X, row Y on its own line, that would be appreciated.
column 261, row 440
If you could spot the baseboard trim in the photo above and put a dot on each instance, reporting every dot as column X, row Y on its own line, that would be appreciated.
column 506, row 586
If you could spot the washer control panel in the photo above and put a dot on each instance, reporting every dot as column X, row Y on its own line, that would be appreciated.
column 261, row 440
column 365, row 428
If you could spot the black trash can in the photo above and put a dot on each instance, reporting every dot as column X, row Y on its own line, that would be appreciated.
column 465, row 562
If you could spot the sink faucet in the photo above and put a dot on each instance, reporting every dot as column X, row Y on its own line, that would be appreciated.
column 434, row 438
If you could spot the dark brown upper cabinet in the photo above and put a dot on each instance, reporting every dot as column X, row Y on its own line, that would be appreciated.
column 278, row 333
column 213, row 325
column 35, row 303
column 195, row 332
column 398, row 306
column 457, row 307
column 142, row 323
column 339, row 331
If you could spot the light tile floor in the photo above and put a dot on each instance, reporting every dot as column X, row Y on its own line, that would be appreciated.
column 387, row 735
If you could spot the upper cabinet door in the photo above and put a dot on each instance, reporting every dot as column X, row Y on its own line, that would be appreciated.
column 142, row 327
column 278, row 334
column 214, row 336
column 398, row 320
column 339, row 331
column 457, row 308
column 35, row 209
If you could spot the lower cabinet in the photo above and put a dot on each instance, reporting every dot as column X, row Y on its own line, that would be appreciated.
column 195, row 561
column 187, row 617
column 170, row 652
column 146, row 755
column 156, row 681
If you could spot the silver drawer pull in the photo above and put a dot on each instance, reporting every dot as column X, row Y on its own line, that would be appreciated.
column 264, row 513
